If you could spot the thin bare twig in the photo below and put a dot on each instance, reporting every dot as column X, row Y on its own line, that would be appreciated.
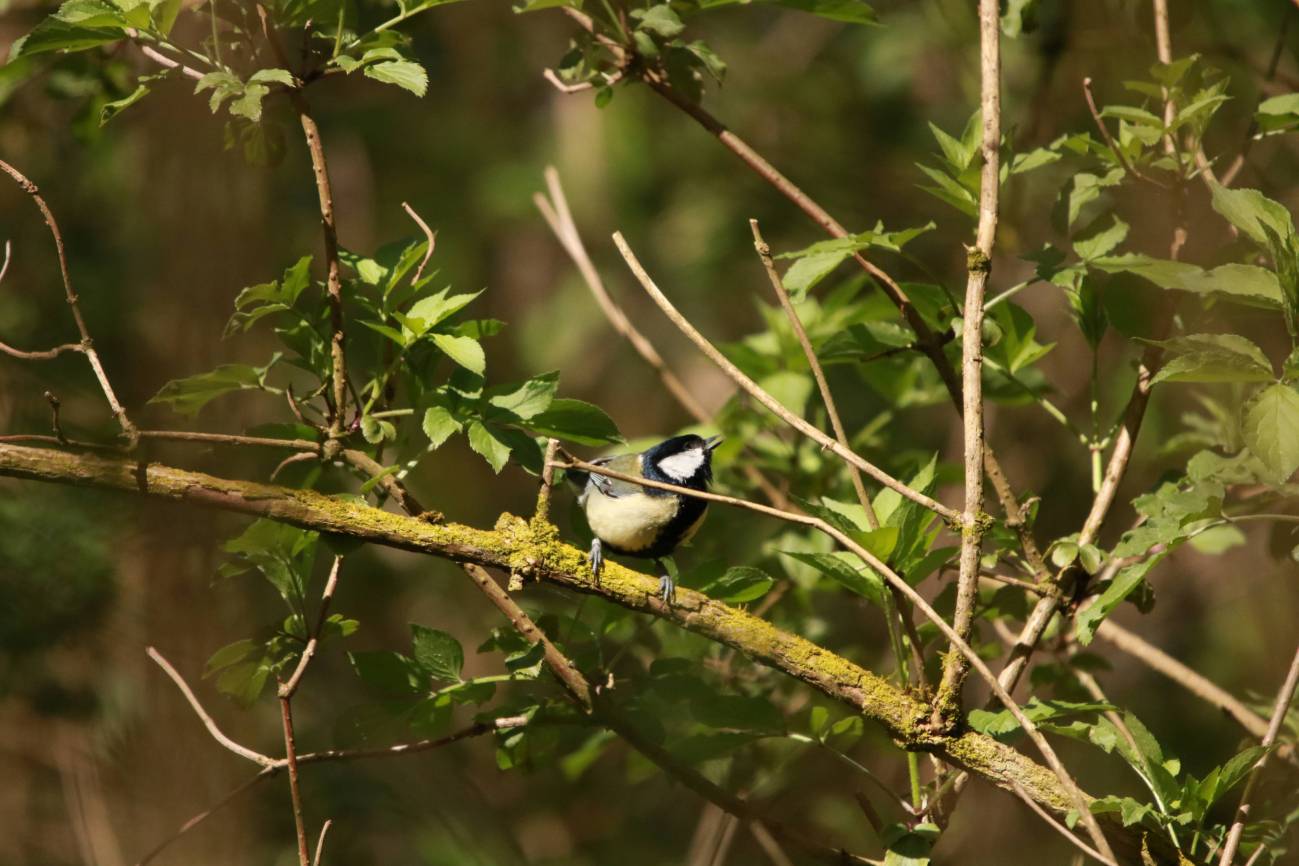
column 320, row 843
column 430, row 235
column 836, row 424
column 87, row 345
column 557, row 215
column 295, row 788
column 1110, row 142
column 556, row 212
column 230, row 439
column 947, row 703
column 289, row 687
column 324, row 191
column 1279, row 709
column 474, row 730
column 207, row 720
column 778, row 409
column 1058, row 827
column 1194, row 682
column 800, row 333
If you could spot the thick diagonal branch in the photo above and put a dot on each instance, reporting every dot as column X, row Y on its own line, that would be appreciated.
column 516, row 545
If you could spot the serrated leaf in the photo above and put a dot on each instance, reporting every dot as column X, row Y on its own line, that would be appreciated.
column 1214, row 358
column 575, row 421
column 465, row 351
column 1162, row 272
column 117, row 106
column 661, row 21
column 1270, row 427
column 1236, row 282
column 847, row 570
column 273, row 76
column 485, row 442
column 528, row 399
column 1001, row 724
column 406, row 74
column 739, row 585
column 187, row 396
column 1123, row 585
column 1102, row 242
column 1253, row 213
column 439, row 425
column 437, row 653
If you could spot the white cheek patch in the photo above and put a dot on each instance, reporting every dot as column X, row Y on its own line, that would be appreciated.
column 683, row 466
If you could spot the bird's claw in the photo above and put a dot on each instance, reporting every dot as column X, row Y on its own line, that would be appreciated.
column 667, row 589
column 596, row 558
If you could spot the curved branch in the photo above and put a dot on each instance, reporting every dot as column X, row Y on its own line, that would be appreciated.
column 87, row 346
column 536, row 550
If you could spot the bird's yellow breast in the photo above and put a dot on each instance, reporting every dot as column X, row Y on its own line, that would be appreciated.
column 632, row 522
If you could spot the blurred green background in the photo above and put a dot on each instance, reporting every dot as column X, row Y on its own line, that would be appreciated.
column 99, row 757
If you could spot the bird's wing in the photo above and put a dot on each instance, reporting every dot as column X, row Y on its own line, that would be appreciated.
column 628, row 464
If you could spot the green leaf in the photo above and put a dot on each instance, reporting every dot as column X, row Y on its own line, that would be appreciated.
column 1214, row 358
column 264, row 299
column 1001, row 724
column 273, row 76
column 1102, row 242
column 527, row 400
column 805, row 273
column 1163, row 273
column 739, row 585
column 1278, row 114
column 847, row 570
column 846, row 11
column 909, row 846
column 249, row 103
column 1132, row 114
column 465, row 351
column 485, row 442
column 437, row 653
column 575, row 421
column 1123, row 585
column 1270, row 427
column 661, row 21
column 1235, row 282
column 439, row 425
column 376, row 430
column 389, row 672
column 77, row 25
column 245, row 681
column 117, row 106
column 230, row 654
column 406, row 74
column 187, row 396
column 1253, row 213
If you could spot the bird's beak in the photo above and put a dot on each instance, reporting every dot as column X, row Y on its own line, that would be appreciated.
column 712, row 442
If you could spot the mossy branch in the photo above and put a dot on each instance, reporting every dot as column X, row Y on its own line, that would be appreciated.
column 536, row 551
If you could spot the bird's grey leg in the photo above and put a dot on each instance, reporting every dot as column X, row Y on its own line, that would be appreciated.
column 596, row 558
column 667, row 580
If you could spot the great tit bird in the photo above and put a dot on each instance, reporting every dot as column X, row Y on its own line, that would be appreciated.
column 646, row 522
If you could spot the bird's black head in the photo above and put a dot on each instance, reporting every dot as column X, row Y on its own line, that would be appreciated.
column 683, row 460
